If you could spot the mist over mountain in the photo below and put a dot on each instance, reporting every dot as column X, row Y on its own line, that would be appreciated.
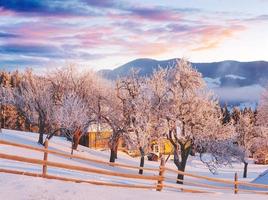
column 236, row 83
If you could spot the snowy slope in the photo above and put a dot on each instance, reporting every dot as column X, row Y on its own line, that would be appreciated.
column 16, row 187
column 60, row 144
column 262, row 178
column 28, row 186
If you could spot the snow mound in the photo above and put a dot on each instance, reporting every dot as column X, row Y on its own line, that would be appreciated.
column 262, row 178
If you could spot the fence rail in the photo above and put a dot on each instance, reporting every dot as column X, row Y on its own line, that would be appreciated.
column 159, row 181
column 75, row 156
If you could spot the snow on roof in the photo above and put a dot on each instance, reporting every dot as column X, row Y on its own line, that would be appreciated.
column 99, row 127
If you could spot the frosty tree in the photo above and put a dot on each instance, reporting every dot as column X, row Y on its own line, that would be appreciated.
column 8, row 114
column 262, row 123
column 133, row 94
column 173, row 103
column 34, row 101
column 114, row 117
column 186, row 112
column 6, row 98
column 72, row 115
column 262, row 116
column 98, row 97
column 106, row 108
column 219, row 148
column 159, row 101
column 111, row 111
column 72, row 94
column 246, row 132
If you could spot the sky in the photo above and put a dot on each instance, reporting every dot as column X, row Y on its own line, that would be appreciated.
column 104, row 34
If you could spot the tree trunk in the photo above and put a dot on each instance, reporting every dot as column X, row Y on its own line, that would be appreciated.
column 27, row 126
column 245, row 169
column 18, row 124
column 112, row 155
column 116, row 150
column 1, row 117
column 40, row 139
column 113, row 145
column 76, row 139
column 72, row 150
column 181, row 167
column 141, row 160
column 41, row 132
column 181, row 163
column 51, row 135
column 75, row 143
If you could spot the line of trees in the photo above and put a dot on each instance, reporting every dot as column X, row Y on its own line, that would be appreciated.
column 174, row 103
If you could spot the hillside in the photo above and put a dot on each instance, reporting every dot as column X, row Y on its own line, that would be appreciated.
column 230, row 72
column 33, row 188
column 234, row 82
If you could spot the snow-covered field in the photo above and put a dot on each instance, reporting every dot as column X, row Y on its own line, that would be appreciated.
column 23, row 187
column 14, row 187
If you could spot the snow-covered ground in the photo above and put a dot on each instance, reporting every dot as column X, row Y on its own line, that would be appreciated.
column 17, row 187
column 262, row 178
column 23, row 187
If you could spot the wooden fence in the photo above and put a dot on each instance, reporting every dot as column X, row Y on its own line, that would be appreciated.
column 160, row 178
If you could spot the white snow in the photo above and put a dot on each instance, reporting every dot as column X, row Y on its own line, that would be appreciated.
column 23, row 187
column 262, row 178
column 212, row 82
column 252, row 105
column 16, row 187
column 235, row 76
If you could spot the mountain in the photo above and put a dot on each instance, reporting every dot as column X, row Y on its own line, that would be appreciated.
column 234, row 82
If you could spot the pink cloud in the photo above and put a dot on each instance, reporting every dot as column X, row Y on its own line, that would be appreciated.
column 147, row 14
column 4, row 12
column 211, row 37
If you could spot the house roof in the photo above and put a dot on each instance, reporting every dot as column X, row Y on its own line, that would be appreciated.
column 99, row 127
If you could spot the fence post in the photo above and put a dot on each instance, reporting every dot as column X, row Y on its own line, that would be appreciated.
column 159, row 186
column 45, row 160
column 235, row 183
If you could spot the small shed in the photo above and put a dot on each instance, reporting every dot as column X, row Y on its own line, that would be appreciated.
column 164, row 148
column 97, row 136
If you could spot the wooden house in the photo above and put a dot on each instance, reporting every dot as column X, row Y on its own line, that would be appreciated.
column 164, row 148
column 98, row 138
